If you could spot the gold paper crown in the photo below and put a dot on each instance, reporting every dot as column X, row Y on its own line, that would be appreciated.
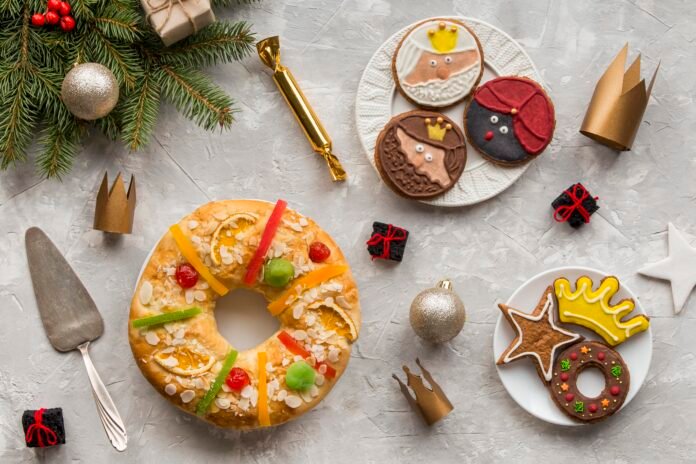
column 437, row 131
column 115, row 208
column 593, row 310
column 618, row 104
column 431, row 402
column 443, row 39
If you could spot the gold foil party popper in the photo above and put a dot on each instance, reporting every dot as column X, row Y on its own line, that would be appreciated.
column 269, row 52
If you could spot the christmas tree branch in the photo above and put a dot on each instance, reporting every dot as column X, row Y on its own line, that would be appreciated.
column 219, row 42
column 60, row 145
column 196, row 96
column 140, row 112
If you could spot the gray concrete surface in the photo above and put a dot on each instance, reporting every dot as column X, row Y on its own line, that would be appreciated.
column 488, row 249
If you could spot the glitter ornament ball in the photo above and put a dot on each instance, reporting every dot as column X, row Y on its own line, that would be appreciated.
column 437, row 314
column 90, row 91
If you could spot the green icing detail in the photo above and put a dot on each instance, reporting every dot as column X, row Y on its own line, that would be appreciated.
column 616, row 371
column 166, row 317
column 579, row 406
column 565, row 364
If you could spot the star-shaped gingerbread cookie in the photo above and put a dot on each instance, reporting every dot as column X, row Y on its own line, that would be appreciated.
column 537, row 335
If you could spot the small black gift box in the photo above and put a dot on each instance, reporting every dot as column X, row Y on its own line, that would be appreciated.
column 574, row 206
column 387, row 242
column 43, row 427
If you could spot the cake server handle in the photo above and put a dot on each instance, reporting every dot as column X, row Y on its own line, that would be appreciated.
column 111, row 420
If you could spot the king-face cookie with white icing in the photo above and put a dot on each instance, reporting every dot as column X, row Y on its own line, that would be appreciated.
column 438, row 63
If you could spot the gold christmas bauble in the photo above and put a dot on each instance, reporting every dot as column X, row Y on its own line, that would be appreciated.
column 437, row 314
column 90, row 91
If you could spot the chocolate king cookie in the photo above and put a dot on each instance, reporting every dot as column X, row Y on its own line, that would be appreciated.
column 420, row 154
column 510, row 120
column 437, row 63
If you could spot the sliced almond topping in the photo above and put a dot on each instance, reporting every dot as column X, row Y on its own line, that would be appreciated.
column 145, row 292
column 187, row 396
column 170, row 389
column 152, row 338
column 293, row 401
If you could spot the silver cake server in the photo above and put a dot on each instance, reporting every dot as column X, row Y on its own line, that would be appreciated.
column 71, row 320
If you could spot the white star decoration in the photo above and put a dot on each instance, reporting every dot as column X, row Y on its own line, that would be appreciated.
column 679, row 268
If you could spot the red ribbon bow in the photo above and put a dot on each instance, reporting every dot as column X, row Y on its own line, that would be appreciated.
column 394, row 234
column 39, row 428
column 577, row 195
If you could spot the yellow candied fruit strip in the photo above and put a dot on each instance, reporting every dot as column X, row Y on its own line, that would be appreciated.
column 264, row 417
column 192, row 257
column 309, row 280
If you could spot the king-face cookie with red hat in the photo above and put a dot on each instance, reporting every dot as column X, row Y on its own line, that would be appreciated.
column 510, row 120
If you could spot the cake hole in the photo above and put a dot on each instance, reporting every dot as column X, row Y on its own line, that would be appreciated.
column 591, row 382
column 243, row 319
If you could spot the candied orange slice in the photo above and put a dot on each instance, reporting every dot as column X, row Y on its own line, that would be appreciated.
column 333, row 317
column 184, row 360
column 226, row 233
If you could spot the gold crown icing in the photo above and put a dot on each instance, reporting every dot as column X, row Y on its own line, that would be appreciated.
column 592, row 309
column 437, row 131
column 443, row 39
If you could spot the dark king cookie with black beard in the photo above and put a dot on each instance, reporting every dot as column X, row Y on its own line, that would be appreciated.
column 510, row 120
column 420, row 154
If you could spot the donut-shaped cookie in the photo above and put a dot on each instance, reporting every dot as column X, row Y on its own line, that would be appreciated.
column 420, row 154
column 272, row 250
column 510, row 120
column 568, row 366
column 437, row 63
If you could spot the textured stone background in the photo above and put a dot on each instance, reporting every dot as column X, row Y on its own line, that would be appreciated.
column 488, row 249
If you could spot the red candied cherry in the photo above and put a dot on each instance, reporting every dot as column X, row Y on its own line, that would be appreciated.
column 52, row 18
column 67, row 23
column 53, row 5
column 64, row 9
column 569, row 397
column 319, row 252
column 615, row 390
column 237, row 379
column 186, row 275
column 564, row 376
column 574, row 356
column 601, row 355
column 38, row 20
column 592, row 408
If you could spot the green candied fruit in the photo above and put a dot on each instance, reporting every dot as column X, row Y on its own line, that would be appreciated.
column 300, row 376
column 278, row 272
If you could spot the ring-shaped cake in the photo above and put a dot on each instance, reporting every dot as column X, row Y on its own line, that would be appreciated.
column 272, row 250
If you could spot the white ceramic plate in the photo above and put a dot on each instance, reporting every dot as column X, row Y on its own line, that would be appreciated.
column 377, row 101
column 520, row 377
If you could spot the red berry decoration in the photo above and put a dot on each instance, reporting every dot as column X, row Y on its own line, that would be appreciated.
column 318, row 252
column 38, row 20
column 601, row 355
column 569, row 397
column 564, row 377
column 615, row 390
column 64, row 9
column 574, row 356
column 237, row 379
column 186, row 275
column 53, row 5
column 67, row 23
column 52, row 17
column 592, row 408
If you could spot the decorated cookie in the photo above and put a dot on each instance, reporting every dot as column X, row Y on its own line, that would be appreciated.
column 420, row 154
column 510, row 120
column 571, row 363
column 438, row 63
column 593, row 309
column 537, row 335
